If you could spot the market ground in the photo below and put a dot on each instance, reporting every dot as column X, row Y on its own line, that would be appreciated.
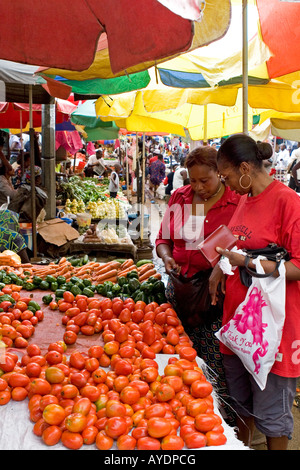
column 156, row 211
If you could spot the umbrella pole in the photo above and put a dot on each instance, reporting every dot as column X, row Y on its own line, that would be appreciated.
column 143, row 192
column 22, row 144
column 32, row 177
column 127, row 169
column 245, row 67
column 205, row 125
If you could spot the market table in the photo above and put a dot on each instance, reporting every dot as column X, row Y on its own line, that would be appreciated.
column 128, row 250
column 16, row 429
column 17, row 433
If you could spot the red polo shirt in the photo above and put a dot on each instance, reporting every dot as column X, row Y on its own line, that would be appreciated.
column 177, row 214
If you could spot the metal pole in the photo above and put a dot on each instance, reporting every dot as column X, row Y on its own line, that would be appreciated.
column 143, row 191
column 205, row 124
column 245, row 67
column 32, row 177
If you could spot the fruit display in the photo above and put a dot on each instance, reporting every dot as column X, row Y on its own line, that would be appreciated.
column 114, row 395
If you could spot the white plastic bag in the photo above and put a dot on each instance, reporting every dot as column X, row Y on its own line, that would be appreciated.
column 254, row 333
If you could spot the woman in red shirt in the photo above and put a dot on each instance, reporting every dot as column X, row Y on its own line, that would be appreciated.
column 194, row 212
column 268, row 212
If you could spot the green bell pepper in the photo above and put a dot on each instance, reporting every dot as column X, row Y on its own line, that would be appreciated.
column 44, row 285
column 47, row 299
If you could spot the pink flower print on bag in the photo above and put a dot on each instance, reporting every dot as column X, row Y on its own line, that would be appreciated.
column 254, row 332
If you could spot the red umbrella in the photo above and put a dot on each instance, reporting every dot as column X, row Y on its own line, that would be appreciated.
column 13, row 115
column 65, row 34
column 280, row 30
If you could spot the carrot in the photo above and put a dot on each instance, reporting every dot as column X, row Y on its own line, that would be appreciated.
column 147, row 274
column 104, row 270
column 107, row 275
column 128, row 270
column 126, row 264
column 111, row 264
column 110, row 279
column 145, row 268
column 62, row 260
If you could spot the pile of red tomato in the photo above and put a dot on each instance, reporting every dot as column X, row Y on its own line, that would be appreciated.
column 17, row 321
column 114, row 394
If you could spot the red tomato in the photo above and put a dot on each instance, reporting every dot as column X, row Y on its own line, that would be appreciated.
column 115, row 426
column 159, row 427
column 39, row 427
column 172, row 442
column 54, row 375
column 39, row 386
column 83, row 406
column 76, row 422
column 53, row 357
column 195, row 440
column 54, row 414
column 82, row 304
column 72, row 440
column 201, row 389
column 148, row 443
column 126, row 442
column 129, row 395
column 48, row 400
column 103, row 442
column 70, row 337
column 19, row 393
column 68, row 297
column 51, row 435
column 164, row 392
column 89, row 435
column 215, row 438
column 77, row 360
column 18, row 380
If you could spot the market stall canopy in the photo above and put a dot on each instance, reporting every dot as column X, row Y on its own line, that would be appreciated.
column 272, row 27
column 15, row 80
column 93, row 126
column 282, row 125
column 201, row 121
column 16, row 115
column 118, row 34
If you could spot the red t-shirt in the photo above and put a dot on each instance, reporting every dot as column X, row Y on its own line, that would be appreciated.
column 272, row 216
column 177, row 214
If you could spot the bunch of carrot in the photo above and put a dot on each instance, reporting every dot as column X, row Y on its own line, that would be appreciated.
column 96, row 272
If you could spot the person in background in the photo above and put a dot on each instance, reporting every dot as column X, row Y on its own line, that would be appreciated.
column 3, row 159
column 168, row 182
column 17, row 178
column 95, row 164
column 180, row 175
column 294, row 182
column 113, row 186
column 15, row 147
column 6, row 187
column 157, row 171
column 10, row 238
column 36, row 148
column 268, row 212
column 195, row 211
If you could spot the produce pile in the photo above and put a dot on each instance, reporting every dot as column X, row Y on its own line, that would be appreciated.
column 120, row 277
column 87, row 194
column 112, row 394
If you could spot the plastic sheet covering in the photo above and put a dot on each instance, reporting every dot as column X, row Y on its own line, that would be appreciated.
column 16, row 429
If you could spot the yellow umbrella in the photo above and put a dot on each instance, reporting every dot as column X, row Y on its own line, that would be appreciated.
column 201, row 121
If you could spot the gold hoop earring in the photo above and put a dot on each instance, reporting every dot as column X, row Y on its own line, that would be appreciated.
column 250, row 182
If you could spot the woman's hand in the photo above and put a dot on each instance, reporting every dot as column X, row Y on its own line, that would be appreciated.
column 216, row 278
column 171, row 265
column 235, row 259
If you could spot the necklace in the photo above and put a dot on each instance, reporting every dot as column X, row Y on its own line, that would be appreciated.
column 213, row 195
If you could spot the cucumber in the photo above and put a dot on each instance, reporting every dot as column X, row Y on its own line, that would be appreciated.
column 143, row 261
